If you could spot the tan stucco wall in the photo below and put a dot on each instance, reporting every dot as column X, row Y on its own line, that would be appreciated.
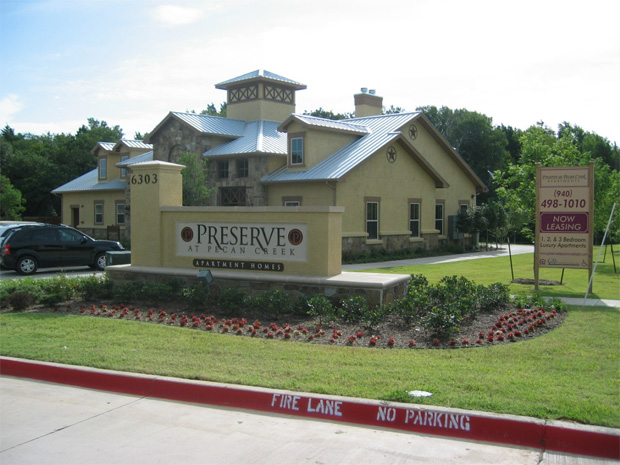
column 255, row 110
column 86, row 202
column 312, row 194
column 318, row 143
column 394, row 183
column 461, row 187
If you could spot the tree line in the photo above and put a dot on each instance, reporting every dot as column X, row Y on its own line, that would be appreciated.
column 503, row 157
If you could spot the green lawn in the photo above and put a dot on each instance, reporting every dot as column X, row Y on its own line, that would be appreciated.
column 571, row 373
column 606, row 284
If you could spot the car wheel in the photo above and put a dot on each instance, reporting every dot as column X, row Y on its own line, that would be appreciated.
column 100, row 262
column 26, row 265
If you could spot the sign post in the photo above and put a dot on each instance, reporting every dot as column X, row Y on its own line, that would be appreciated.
column 564, row 218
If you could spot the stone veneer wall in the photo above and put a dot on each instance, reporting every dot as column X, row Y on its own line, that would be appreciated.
column 336, row 292
column 256, row 193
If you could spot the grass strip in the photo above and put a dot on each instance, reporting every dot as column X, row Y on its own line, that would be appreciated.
column 571, row 373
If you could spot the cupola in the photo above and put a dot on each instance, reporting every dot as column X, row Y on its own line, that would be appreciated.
column 260, row 95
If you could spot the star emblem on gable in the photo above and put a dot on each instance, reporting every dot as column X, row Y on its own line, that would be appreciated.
column 391, row 154
column 413, row 131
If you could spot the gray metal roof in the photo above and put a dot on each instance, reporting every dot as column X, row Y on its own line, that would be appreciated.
column 258, row 137
column 212, row 124
column 133, row 144
column 260, row 74
column 108, row 146
column 147, row 156
column 339, row 125
column 382, row 130
column 89, row 182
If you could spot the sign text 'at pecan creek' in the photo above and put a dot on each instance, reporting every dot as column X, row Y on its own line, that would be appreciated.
column 245, row 241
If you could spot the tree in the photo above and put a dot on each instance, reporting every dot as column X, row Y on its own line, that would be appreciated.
column 35, row 165
column 210, row 110
column 195, row 187
column 321, row 113
column 516, row 185
column 11, row 201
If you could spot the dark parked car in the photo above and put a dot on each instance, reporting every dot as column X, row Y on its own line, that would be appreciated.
column 27, row 248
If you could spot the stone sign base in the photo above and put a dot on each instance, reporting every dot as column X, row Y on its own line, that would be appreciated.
column 377, row 288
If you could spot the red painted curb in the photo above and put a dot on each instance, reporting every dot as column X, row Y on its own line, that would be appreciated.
column 425, row 420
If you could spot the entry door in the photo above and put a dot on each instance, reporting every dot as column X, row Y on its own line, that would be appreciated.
column 75, row 217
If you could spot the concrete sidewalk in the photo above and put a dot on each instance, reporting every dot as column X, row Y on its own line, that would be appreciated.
column 45, row 423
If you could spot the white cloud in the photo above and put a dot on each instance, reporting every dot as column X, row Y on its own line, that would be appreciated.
column 9, row 105
column 177, row 15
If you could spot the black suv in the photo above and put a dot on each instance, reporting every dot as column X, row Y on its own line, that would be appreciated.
column 26, row 248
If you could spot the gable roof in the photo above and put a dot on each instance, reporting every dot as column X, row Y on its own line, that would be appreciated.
column 260, row 75
column 107, row 146
column 381, row 131
column 204, row 124
column 89, row 182
column 132, row 144
column 258, row 137
column 323, row 123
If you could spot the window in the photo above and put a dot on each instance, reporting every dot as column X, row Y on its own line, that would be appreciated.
column 297, row 151
column 292, row 203
column 98, row 212
column 439, row 218
column 124, row 170
column 120, row 213
column 233, row 197
column 103, row 168
column 414, row 219
column 372, row 220
column 242, row 168
column 222, row 169
column 70, row 236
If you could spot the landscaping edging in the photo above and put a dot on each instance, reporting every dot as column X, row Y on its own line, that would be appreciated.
column 455, row 423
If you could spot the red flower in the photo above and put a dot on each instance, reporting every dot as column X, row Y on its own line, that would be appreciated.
column 436, row 343
column 360, row 334
column 287, row 335
column 465, row 342
column 311, row 337
column 478, row 341
column 390, row 342
column 372, row 341
column 451, row 342
column 269, row 335
column 351, row 339
column 500, row 337
column 490, row 338
column 411, row 343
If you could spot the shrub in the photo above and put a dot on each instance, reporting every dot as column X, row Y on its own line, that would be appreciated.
column 320, row 307
column 194, row 294
column 231, row 299
column 274, row 304
column 59, row 289
column 353, row 309
column 493, row 296
column 441, row 321
column 20, row 300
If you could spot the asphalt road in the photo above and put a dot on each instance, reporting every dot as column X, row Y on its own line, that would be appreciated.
column 51, row 272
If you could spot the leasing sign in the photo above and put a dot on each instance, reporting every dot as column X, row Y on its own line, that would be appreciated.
column 564, row 217
column 242, row 245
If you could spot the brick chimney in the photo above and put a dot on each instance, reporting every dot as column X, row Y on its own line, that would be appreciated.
column 367, row 103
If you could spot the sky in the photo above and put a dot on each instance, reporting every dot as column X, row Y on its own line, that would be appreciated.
column 130, row 62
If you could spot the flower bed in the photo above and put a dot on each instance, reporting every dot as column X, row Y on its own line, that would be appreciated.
column 486, row 329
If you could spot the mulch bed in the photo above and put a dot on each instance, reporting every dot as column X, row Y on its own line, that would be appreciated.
column 504, row 326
